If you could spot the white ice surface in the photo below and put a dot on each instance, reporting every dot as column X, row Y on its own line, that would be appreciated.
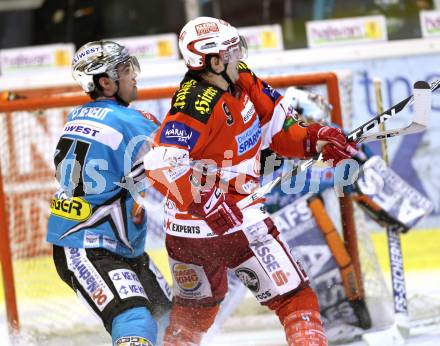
column 266, row 330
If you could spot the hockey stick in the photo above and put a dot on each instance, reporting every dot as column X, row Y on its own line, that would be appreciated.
column 399, row 330
column 422, row 110
column 421, row 91
column 422, row 104
column 393, row 240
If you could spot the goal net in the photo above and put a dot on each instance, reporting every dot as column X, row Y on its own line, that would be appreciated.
column 38, row 303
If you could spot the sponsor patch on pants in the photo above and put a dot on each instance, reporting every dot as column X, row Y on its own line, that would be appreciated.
column 127, row 283
column 88, row 277
column 190, row 281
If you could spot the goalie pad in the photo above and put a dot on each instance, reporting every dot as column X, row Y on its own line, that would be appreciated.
column 352, row 285
column 350, row 279
column 301, row 233
column 387, row 198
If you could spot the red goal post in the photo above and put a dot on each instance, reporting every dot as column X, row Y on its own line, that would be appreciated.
column 27, row 228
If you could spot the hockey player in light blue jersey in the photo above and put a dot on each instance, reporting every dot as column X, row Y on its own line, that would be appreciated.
column 97, row 233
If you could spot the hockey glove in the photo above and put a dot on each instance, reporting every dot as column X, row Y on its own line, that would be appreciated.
column 218, row 210
column 138, row 212
column 331, row 142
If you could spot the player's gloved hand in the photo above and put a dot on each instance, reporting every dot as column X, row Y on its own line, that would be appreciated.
column 218, row 210
column 138, row 211
column 331, row 142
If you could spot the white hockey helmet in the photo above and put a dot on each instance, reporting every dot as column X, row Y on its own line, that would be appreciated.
column 311, row 106
column 204, row 36
column 99, row 57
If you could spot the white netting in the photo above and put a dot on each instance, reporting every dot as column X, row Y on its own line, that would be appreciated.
column 48, row 309
column 46, row 306
column 423, row 309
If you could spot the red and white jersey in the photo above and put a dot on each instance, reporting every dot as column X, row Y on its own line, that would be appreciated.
column 226, row 132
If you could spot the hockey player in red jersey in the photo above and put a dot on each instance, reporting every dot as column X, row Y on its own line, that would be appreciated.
column 222, row 116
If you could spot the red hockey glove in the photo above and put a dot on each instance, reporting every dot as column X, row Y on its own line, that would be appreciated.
column 331, row 142
column 218, row 210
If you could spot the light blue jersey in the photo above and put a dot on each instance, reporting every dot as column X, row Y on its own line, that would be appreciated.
column 98, row 156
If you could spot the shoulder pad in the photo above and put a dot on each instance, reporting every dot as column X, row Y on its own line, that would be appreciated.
column 242, row 67
column 195, row 99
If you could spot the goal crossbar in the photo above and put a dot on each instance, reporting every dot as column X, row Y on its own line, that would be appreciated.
column 32, row 100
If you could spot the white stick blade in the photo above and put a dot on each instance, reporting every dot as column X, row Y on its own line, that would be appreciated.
column 422, row 109
column 422, row 102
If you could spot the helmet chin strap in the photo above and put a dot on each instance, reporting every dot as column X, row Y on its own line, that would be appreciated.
column 227, row 79
column 225, row 76
column 119, row 98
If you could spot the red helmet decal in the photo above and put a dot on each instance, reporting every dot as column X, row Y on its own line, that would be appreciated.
column 182, row 35
column 206, row 28
column 192, row 49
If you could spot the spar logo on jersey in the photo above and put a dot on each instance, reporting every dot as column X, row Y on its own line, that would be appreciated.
column 177, row 133
column 186, row 277
column 249, row 138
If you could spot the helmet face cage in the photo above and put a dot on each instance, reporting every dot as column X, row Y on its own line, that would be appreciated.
column 313, row 107
column 235, row 52
column 316, row 117
column 133, row 67
column 100, row 57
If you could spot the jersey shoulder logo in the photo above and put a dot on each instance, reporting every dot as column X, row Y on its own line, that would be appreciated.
column 195, row 99
column 150, row 117
column 289, row 122
column 272, row 93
